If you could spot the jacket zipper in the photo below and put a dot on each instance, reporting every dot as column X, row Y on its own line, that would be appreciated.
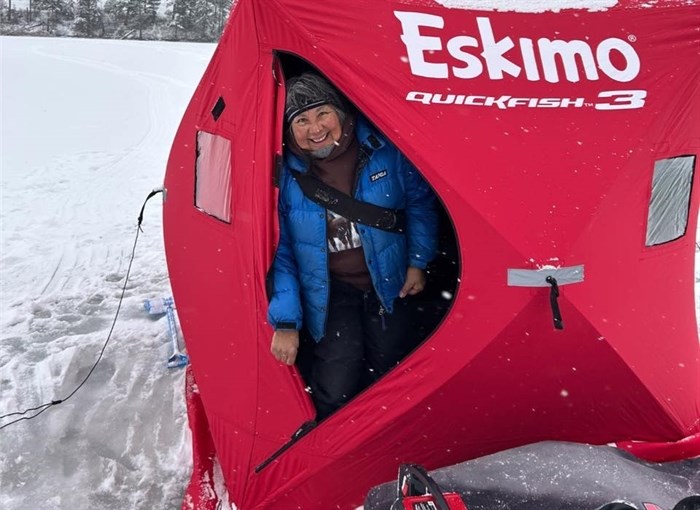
column 328, row 274
column 363, row 161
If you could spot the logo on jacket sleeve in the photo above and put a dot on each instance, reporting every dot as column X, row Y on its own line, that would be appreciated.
column 376, row 176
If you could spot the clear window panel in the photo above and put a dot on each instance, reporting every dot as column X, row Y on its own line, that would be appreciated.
column 670, row 199
column 213, row 176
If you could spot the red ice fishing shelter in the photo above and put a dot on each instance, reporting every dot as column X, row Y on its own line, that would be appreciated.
column 563, row 146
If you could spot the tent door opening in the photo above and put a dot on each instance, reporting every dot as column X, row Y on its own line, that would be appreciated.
column 428, row 308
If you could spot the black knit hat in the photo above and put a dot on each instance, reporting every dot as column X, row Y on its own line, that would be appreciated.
column 308, row 91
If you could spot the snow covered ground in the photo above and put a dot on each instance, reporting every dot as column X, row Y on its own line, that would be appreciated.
column 86, row 130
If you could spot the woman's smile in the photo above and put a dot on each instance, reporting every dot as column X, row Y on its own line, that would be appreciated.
column 320, row 139
column 317, row 128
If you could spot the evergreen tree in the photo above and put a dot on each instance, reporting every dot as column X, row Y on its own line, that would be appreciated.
column 87, row 18
column 202, row 20
column 126, row 14
column 31, row 11
column 144, row 17
column 116, row 10
column 53, row 12
column 151, row 10
column 178, row 15
column 222, row 9
column 188, row 20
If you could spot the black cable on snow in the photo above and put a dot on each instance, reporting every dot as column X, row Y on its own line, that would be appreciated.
column 48, row 405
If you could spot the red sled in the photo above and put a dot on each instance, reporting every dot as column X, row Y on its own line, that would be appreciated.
column 416, row 490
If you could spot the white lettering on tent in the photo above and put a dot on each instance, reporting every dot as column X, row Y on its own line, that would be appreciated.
column 627, row 73
column 621, row 99
column 606, row 100
column 567, row 51
column 502, row 57
column 494, row 50
column 417, row 44
column 501, row 102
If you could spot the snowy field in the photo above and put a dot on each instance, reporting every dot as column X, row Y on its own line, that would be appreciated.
column 86, row 130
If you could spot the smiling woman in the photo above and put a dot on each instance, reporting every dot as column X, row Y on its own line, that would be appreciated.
column 340, row 301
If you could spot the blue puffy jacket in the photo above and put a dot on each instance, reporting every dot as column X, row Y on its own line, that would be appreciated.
column 300, row 276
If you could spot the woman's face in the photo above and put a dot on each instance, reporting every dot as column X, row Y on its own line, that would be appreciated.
column 317, row 128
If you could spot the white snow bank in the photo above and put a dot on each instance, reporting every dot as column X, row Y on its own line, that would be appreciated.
column 86, row 130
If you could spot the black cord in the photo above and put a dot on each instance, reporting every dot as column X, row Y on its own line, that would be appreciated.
column 553, row 301
column 48, row 405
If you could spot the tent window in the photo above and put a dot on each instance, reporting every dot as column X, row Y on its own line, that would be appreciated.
column 213, row 176
column 670, row 199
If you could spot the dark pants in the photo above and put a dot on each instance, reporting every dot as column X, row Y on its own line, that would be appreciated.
column 362, row 342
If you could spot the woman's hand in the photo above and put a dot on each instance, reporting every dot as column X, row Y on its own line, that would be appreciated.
column 285, row 345
column 415, row 282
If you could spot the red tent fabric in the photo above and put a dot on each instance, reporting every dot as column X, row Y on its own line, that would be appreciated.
column 561, row 144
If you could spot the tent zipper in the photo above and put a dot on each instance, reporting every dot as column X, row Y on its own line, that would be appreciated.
column 310, row 425
column 305, row 428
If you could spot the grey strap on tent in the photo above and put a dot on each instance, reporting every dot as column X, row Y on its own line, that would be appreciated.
column 538, row 277
column 550, row 277
column 391, row 220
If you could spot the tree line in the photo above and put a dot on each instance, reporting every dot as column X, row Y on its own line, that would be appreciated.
column 177, row 20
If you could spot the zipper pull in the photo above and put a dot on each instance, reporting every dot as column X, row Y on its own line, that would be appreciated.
column 381, row 316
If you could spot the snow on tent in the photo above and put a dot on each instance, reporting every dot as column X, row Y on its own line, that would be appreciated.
column 563, row 146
